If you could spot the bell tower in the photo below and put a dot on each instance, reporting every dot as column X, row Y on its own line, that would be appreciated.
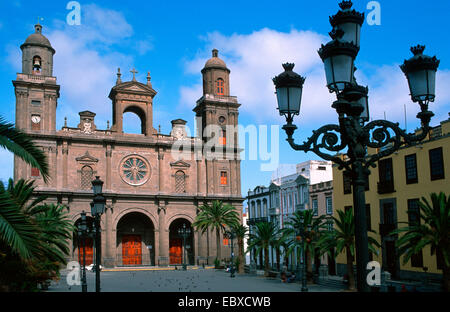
column 36, row 89
column 217, row 121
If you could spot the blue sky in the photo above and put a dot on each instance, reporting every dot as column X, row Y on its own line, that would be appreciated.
column 173, row 39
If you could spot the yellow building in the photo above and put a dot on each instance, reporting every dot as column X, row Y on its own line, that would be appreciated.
column 394, row 187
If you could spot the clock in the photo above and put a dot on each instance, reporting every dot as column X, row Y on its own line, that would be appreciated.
column 36, row 119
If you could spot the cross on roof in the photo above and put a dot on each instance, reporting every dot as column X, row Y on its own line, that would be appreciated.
column 134, row 73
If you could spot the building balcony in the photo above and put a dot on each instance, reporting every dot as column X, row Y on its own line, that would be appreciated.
column 385, row 187
column 253, row 221
column 386, row 229
column 274, row 211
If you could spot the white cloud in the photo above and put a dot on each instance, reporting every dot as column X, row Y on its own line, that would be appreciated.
column 85, row 63
column 257, row 57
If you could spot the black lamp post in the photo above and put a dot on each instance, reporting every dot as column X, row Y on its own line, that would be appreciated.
column 230, row 234
column 352, row 134
column 184, row 232
column 82, row 233
column 97, row 209
column 301, row 236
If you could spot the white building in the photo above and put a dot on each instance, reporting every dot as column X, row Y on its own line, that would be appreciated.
column 316, row 171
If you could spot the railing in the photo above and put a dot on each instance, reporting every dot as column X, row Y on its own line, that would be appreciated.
column 436, row 132
column 36, row 78
column 253, row 221
column 219, row 97
column 274, row 211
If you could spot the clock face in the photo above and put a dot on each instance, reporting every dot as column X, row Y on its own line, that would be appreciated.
column 35, row 119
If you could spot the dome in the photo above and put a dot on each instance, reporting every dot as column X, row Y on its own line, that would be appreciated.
column 38, row 39
column 215, row 61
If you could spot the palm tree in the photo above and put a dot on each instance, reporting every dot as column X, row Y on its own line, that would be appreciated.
column 16, row 229
column 342, row 238
column 304, row 229
column 47, row 238
column 240, row 232
column 216, row 216
column 21, row 145
column 263, row 237
column 434, row 231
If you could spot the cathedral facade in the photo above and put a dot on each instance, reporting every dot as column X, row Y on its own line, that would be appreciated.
column 150, row 191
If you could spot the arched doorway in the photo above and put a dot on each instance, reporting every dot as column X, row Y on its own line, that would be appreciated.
column 135, row 243
column 177, row 250
column 88, row 242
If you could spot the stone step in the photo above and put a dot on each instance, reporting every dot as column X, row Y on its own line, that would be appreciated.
column 331, row 283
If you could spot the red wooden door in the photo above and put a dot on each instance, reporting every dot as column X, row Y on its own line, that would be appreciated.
column 175, row 251
column 131, row 250
column 89, row 243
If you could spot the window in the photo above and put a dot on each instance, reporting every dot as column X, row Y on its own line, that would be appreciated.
column 35, row 103
column 37, row 65
column 35, row 172
column 315, row 206
column 180, row 182
column 223, row 137
column 347, row 182
column 436, row 164
column 411, row 169
column 220, row 86
column 329, row 202
column 414, row 219
column 87, row 175
column 223, row 178
column 386, row 176
column 321, row 168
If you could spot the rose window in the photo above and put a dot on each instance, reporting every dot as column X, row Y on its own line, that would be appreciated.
column 135, row 170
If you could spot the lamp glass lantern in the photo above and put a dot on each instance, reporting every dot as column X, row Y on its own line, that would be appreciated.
column 289, row 89
column 97, row 185
column 420, row 71
column 98, row 205
column 338, row 58
column 349, row 21
column 364, row 102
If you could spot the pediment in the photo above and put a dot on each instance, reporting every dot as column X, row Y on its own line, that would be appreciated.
column 133, row 87
column 87, row 158
column 180, row 164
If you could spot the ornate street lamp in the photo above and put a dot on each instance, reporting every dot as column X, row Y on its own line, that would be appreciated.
column 184, row 232
column 97, row 209
column 82, row 233
column 352, row 135
column 420, row 70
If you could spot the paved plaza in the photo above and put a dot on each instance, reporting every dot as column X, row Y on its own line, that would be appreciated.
column 191, row 280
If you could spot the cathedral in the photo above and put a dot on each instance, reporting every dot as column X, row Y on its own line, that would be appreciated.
column 150, row 191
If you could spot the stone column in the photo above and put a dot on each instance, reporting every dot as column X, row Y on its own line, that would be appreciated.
column 65, row 152
column 108, row 155
column 108, row 237
column 161, row 170
column 163, row 258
